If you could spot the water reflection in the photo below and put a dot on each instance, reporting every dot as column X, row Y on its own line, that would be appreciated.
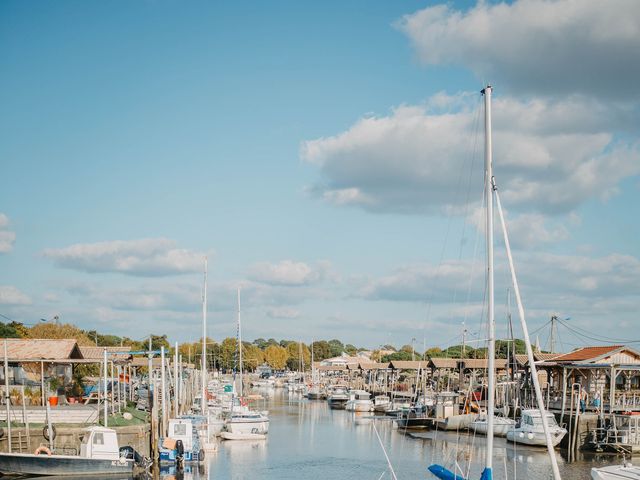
column 308, row 440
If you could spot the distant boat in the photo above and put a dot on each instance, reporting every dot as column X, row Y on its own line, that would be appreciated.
column 338, row 398
column 99, row 455
column 359, row 401
column 501, row 425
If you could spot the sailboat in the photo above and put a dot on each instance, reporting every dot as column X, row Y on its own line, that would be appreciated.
column 243, row 423
column 491, row 191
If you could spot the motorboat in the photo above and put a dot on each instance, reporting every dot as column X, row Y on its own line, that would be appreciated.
column 501, row 425
column 529, row 429
column 99, row 455
column 243, row 422
column 338, row 398
column 416, row 417
column 359, row 401
column 185, row 431
column 381, row 403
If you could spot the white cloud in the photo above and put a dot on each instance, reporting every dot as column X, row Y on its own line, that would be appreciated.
column 549, row 156
column 283, row 312
column 567, row 46
column 7, row 237
column 10, row 295
column 146, row 257
column 287, row 273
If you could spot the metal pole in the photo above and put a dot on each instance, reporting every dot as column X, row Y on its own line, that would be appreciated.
column 164, row 392
column 176, row 395
column 490, row 295
column 203, row 399
column 7, row 398
column 240, row 343
column 113, row 392
column 104, row 389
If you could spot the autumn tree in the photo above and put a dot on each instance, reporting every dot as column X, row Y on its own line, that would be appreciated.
column 295, row 361
column 276, row 356
column 60, row 331
column 252, row 356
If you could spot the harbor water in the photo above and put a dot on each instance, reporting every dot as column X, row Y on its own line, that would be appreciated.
column 307, row 440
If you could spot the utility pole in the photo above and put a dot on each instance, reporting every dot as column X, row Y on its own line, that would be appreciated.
column 552, row 336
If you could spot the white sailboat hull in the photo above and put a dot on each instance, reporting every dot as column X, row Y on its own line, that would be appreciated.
column 456, row 422
column 535, row 438
column 248, row 427
column 616, row 472
column 501, row 426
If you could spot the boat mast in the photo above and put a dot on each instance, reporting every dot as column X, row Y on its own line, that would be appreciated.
column 488, row 186
column 240, row 342
column 203, row 400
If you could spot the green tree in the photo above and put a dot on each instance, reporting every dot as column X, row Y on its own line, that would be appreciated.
column 402, row 355
column 336, row 347
column 261, row 343
column 60, row 331
column 7, row 331
column 350, row 349
column 321, row 350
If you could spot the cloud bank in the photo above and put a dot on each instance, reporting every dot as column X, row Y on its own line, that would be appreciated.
column 539, row 46
column 550, row 156
column 145, row 258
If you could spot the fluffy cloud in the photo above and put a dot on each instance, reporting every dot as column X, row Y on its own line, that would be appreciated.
column 584, row 46
column 550, row 156
column 10, row 295
column 7, row 237
column 287, row 273
column 146, row 257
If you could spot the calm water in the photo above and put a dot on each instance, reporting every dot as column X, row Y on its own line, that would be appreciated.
column 309, row 441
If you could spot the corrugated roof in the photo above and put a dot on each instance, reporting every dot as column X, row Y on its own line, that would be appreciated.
column 587, row 353
column 97, row 353
column 42, row 349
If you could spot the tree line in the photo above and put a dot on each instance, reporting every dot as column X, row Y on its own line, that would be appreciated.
column 279, row 355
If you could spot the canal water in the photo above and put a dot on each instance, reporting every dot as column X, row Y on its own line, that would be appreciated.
column 309, row 441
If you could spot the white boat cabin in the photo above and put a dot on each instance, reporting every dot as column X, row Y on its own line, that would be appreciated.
column 182, row 429
column 100, row 443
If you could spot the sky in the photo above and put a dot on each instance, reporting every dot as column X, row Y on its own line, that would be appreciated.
column 326, row 157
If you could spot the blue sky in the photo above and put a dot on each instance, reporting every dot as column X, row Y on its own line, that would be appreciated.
column 319, row 154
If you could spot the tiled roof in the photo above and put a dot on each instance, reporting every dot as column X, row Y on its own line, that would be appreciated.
column 587, row 353
column 42, row 349
column 523, row 359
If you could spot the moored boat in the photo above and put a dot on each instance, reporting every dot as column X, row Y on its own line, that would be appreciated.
column 99, row 455
column 529, row 429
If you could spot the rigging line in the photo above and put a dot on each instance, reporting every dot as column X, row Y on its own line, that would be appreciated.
column 393, row 474
column 473, row 268
column 586, row 333
column 450, row 217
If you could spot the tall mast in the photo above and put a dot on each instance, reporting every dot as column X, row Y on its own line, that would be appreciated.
column 488, row 186
column 203, row 401
column 240, row 341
